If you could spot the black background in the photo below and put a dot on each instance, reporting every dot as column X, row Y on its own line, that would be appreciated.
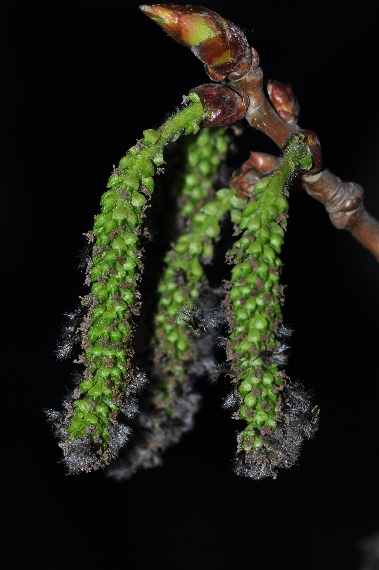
column 81, row 79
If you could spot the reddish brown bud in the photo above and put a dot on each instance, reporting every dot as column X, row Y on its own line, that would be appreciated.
column 255, row 167
column 283, row 100
column 244, row 182
column 262, row 162
column 223, row 105
column 315, row 147
column 218, row 43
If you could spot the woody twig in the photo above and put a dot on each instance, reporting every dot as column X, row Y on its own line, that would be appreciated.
column 276, row 116
column 344, row 203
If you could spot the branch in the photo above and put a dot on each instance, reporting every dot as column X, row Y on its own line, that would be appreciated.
column 344, row 203
column 261, row 114
column 343, row 200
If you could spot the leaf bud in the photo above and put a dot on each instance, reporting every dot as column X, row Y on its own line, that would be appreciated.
column 218, row 43
column 224, row 106
column 283, row 100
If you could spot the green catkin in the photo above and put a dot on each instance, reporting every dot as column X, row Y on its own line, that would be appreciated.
column 184, row 274
column 254, row 305
column 88, row 426
column 202, row 157
column 183, row 279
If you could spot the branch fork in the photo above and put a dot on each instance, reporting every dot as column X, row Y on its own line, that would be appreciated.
column 270, row 108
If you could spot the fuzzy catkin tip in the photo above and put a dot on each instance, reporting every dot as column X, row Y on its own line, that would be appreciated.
column 84, row 454
column 281, row 448
column 156, row 431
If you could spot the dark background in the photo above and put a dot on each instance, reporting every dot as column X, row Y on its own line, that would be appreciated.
column 81, row 79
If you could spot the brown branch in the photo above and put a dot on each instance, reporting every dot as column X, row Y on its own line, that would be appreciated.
column 343, row 200
column 260, row 113
column 344, row 203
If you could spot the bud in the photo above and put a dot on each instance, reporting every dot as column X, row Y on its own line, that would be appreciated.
column 224, row 106
column 262, row 162
column 253, row 169
column 244, row 183
column 315, row 148
column 283, row 100
column 219, row 44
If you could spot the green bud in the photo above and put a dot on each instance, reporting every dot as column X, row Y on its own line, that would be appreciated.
column 213, row 229
column 130, row 238
column 115, row 336
column 250, row 209
column 207, row 250
column 102, row 411
column 251, row 224
column 126, row 161
column 264, row 234
column 235, row 292
column 260, row 418
column 82, row 406
column 221, row 145
column 196, row 269
column 138, row 200
column 112, row 286
column 97, row 312
column 120, row 213
column 235, row 216
column 85, row 385
column 276, row 242
column 237, row 202
column 268, row 379
column 245, row 386
column 116, row 373
column 255, row 249
column 150, row 137
column 99, row 221
column 182, row 344
column 195, row 248
column 119, row 246
column 108, row 201
column 110, row 257
column 77, row 426
column 157, row 157
column 109, row 317
column 130, row 181
column 282, row 204
column 260, row 322
column 250, row 401
column 269, row 255
column 211, row 209
column 102, row 240
column 263, row 270
column 114, row 180
column 204, row 167
column 127, row 296
column 148, row 182
column 95, row 351
column 191, row 129
column 96, row 391
column 250, row 306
